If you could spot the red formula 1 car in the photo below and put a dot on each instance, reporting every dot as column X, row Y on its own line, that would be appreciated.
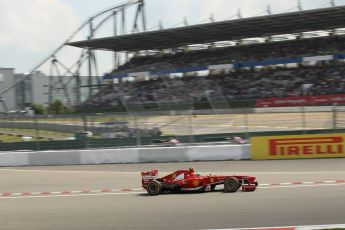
column 188, row 180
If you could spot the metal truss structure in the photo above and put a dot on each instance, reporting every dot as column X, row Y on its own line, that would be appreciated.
column 68, row 81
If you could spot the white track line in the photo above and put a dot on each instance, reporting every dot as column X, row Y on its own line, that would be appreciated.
column 65, row 171
column 133, row 191
column 300, row 186
column 117, row 172
column 306, row 227
column 72, row 195
column 299, row 183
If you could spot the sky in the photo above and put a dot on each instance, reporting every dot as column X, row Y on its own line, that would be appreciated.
column 31, row 29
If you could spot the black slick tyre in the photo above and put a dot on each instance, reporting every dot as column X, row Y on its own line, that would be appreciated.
column 231, row 184
column 154, row 188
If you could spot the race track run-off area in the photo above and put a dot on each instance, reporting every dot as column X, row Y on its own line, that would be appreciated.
column 290, row 193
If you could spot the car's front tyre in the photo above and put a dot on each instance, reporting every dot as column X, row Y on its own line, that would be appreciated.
column 231, row 184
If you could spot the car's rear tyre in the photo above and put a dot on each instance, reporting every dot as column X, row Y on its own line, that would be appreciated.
column 154, row 188
column 231, row 184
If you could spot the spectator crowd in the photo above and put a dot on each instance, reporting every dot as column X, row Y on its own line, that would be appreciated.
column 239, row 53
column 321, row 79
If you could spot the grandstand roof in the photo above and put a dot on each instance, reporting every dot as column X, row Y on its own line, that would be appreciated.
column 287, row 23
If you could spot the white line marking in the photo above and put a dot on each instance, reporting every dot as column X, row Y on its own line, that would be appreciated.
column 36, row 193
column 301, row 185
column 65, row 171
column 305, row 183
column 308, row 172
column 72, row 195
column 115, row 172
column 134, row 191
column 329, row 226
column 76, row 192
column 55, row 193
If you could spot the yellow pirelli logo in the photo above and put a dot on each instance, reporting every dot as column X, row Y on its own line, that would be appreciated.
column 303, row 146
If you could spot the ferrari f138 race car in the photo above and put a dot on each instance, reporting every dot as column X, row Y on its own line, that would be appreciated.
column 188, row 180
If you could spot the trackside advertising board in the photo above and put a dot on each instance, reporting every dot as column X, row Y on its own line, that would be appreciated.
column 301, row 101
column 299, row 146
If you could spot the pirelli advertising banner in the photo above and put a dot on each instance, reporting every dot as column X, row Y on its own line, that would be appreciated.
column 299, row 146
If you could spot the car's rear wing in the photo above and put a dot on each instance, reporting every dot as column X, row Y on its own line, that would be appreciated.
column 148, row 176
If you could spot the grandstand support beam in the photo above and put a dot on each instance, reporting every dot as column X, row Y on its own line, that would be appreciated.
column 140, row 11
column 96, row 70
column 143, row 14
column 54, row 84
column 135, row 26
column 89, row 81
column 51, row 84
column 60, row 80
column 115, row 64
column 77, row 88
column 333, row 3
column 90, row 59
column 115, row 22
column 123, row 22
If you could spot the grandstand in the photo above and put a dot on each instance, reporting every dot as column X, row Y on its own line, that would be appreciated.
column 301, row 66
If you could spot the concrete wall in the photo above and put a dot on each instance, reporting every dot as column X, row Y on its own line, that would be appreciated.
column 130, row 155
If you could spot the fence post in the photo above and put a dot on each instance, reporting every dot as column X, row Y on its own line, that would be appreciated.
column 84, row 117
column 38, row 147
column 137, row 130
column 335, row 118
column 190, row 128
column 303, row 120
column 246, row 124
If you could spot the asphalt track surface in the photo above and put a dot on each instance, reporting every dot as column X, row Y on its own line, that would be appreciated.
column 270, row 206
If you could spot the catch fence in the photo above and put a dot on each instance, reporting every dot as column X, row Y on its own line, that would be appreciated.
column 23, row 132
